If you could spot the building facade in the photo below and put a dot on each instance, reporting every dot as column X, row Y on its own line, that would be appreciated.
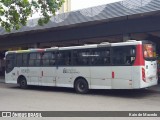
column 66, row 7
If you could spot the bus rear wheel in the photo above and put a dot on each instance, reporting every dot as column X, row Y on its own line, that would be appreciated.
column 81, row 86
column 23, row 83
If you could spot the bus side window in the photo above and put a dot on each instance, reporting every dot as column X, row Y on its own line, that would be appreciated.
column 130, row 56
column 118, row 58
column 81, row 57
column 10, row 62
column 64, row 58
column 34, row 59
column 60, row 59
column 100, row 56
column 19, row 60
column 22, row 60
column 52, row 59
column 25, row 59
column 75, row 57
column 38, row 59
column 123, row 55
column 48, row 59
column 45, row 59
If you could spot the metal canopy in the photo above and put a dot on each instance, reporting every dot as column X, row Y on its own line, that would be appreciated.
column 105, row 13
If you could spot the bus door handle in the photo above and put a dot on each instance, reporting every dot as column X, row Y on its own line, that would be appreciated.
column 42, row 73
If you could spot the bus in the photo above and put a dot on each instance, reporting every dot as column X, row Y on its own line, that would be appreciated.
column 124, row 65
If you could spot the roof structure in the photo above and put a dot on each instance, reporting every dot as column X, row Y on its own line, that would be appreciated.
column 100, row 13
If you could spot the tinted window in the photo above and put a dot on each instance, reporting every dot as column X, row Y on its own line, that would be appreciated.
column 25, row 59
column 124, row 55
column 100, row 56
column 81, row 57
column 10, row 62
column 34, row 59
column 10, row 57
column 49, row 59
column 19, row 60
column 64, row 58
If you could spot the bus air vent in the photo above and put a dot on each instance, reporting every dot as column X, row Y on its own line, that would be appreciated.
column 33, row 48
column 89, row 44
column 104, row 43
column 52, row 48
column 131, row 41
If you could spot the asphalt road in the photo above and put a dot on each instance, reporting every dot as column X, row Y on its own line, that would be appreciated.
column 12, row 98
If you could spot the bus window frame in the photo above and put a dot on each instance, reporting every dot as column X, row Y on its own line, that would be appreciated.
column 34, row 65
column 58, row 60
column 73, row 58
column 53, row 52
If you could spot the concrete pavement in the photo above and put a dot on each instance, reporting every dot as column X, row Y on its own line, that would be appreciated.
column 155, row 88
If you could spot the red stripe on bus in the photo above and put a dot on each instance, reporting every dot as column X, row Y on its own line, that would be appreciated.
column 113, row 75
column 139, row 56
column 143, row 75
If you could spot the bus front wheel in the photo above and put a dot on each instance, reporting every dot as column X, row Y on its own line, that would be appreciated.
column 23, row 83
column 81, row 86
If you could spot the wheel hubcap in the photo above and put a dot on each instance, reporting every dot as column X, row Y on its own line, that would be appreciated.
column 81, row 86
column 22, row 83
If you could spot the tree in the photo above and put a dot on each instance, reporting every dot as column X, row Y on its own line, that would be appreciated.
column 15, row 13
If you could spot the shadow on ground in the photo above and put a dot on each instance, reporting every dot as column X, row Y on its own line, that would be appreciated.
column 141, row 93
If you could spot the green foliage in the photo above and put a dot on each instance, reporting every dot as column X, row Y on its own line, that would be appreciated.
column 15, row 13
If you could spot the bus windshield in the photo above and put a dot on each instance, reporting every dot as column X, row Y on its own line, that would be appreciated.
column 149, row 51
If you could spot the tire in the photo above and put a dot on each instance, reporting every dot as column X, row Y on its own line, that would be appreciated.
column 23, row 83
column 81, row 86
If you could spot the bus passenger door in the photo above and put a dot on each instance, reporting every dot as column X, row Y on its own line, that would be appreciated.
column 48, row 69
column 100, row 69
column 64, row 69
column 34, row 68
column 48, row 76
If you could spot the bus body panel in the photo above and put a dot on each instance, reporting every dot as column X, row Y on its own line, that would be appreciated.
column 136, row 77
column 101, row 77
column 122, row 77
column 11, row 77
column 48, row 76
column 64, row 76
column 151, row 77
column 34, row 75
column 151, row 70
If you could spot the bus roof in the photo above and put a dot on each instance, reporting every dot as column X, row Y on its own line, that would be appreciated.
column 103, row 44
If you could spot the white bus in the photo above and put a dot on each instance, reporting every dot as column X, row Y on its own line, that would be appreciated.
column 124, row 65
